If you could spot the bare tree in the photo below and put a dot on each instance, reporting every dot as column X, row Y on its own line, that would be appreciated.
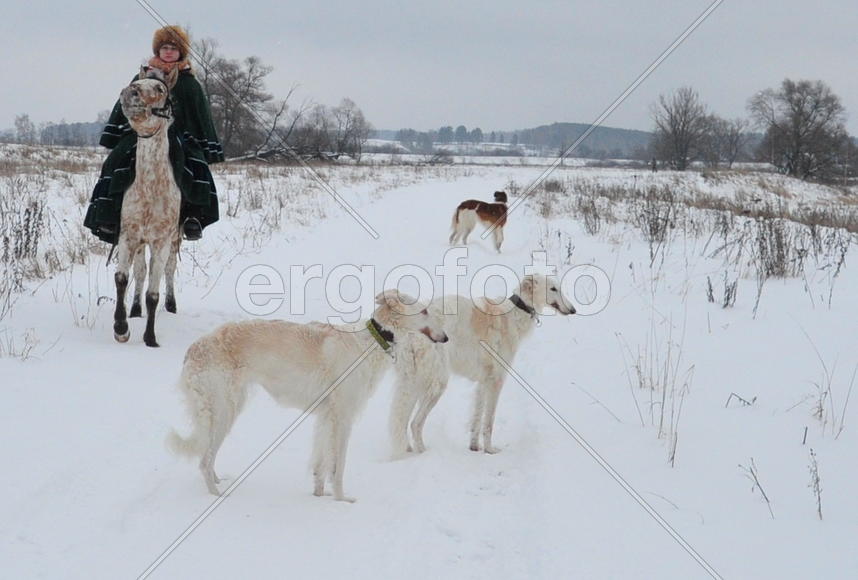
column 804, row 127
column 25, row 129
column 312, row 135
column 206, row 52
column 723, row 141
column 680, row 126
column 241, row 105
column 351, row 129
column 325, row 132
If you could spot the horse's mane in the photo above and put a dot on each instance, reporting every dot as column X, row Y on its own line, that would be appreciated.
column 152, row 73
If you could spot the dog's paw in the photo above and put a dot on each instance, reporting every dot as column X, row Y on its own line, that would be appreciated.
column 346, row 499
column 492, row 450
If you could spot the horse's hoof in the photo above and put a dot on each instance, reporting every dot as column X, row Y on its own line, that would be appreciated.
column 170, row 305
column 150, row 340
column 136, row 311
column 121, row 332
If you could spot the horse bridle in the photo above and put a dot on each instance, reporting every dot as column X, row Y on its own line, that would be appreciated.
column 165, row 112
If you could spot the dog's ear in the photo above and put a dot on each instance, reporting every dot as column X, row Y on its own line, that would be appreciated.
column 399, row 302
column 525, row 289
column 387, row 297
column 142, row 74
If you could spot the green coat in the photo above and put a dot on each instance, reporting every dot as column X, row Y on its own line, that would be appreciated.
column 193, row 145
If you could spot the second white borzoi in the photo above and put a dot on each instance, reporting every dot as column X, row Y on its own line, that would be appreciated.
column 296, row 364
column 423, row 374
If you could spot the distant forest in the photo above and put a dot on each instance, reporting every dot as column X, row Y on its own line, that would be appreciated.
column 603, row 142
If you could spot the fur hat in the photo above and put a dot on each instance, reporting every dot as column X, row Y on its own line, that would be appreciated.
column 171, row 35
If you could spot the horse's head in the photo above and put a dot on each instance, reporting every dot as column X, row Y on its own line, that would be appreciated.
column 146, row 101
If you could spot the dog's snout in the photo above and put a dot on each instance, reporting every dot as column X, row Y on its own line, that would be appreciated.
column 433, row 335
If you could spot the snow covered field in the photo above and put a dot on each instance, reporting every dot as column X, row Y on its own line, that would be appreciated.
column 680, row 395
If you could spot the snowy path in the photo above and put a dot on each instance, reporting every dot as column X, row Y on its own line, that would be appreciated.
column 91, row 491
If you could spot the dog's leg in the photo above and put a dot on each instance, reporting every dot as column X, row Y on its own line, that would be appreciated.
column 342, row 431
column 492, row 390
column 468, row 229
column 427, row 403
column 220, row 425
column 404, row 399
column 220, row 398
column 476, row 418
column 498, row 234
column 322, row 452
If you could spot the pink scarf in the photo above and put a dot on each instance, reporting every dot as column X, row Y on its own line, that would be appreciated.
column 156, row 62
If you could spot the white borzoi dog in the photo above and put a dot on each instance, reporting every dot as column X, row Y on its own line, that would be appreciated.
column 296, row 364
column 472, row 211
column 422, row 376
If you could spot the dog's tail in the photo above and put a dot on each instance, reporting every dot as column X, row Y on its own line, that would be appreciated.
column 213, row 401
column 195, row 444
column 454, row 224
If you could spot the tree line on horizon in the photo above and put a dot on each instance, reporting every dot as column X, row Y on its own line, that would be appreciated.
column 800, row 127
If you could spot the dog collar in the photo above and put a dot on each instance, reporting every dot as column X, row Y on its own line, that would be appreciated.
column 516, row 299
column 382, row 337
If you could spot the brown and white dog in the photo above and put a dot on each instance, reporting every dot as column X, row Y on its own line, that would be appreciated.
column 472, row 211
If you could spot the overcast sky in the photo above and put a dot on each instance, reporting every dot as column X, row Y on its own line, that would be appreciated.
column 493, row 65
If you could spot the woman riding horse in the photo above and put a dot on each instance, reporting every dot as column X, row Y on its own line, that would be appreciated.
column 193, row 145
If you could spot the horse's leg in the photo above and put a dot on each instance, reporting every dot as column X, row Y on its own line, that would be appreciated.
column 157, row 264
column 120, row 277
column 139, row 279
column 170, row 275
